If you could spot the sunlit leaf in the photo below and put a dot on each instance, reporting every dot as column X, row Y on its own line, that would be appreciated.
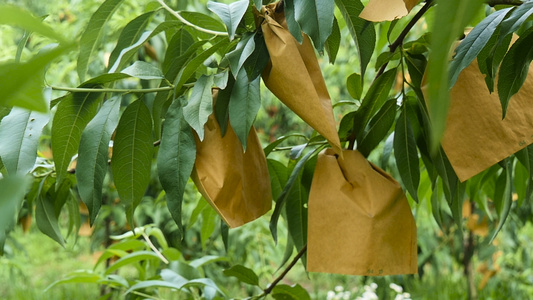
column 200, row 105
column 143, row 70
column 287, row 292
column 131, row 258
column 16, row 16
column 231, row 14
column 243, row 274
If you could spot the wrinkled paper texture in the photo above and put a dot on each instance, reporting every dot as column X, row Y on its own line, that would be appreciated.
column 387, row 10
column 360, row 222
column 294, row 76
column 234, row 182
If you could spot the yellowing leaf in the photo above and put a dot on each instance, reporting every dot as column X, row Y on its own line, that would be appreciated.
column 387, row 10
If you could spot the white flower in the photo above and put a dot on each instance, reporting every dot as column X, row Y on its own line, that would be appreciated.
column 374, row 286
column 399, row 297
column 407, row 296
column 346, row 295
column 398, row 289
column 330, row 295
column 368, row 295
column 339, row 289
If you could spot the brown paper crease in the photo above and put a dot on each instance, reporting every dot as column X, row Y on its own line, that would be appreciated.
column 387, row 10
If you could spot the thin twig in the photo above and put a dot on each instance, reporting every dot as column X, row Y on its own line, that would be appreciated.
column 98, row 90
column 161, row 256
column 269, row 289
column 184, row 21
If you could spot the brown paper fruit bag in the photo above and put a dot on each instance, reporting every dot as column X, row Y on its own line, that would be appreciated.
column 236, row 184
column 294, row 76
column 387, row 10
column 360, row 222
column 476, row 137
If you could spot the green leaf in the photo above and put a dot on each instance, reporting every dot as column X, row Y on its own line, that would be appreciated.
column 525, row 157
column 90, row 36
column 280, row 202
column 80, row 276
column 132, row 155
column 203, row 21
column 416, row 65
column 46, row 218
column 451, row 16
column 231, row 14
column 72, row 115
column 192, row 65
column 279, row 174
column 240, row 54
column 175, row 160
column 406, row 155
column 378, row 128
column 354, row 85
column 22, row 128
column 131, row 258
column 21, row 83
column 206, row 260
column 243, row 106
column 514, row 68
column 286, row 292
column 131, row 33
column 13, row 189
column 333, row 42
column 474, row 42
column 294, row 27
column 503, row 196
column 143, row 70
column 127, row 53
column 362, row 31
column 243, row 274
column 518, row 16
column 375, row 97
column 296, row 210
column 209, row 218
column 257, row 61
column 16, row 16
column 316, row 19
column 222, row 105
column 200, row 105
column 93, row 156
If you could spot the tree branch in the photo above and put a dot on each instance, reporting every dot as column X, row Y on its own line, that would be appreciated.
column 184, row 21
column 269, row 289
column 493, row 3
column 98, row 90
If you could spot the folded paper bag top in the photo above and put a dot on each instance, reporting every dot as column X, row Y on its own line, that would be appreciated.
column 387, row 10
column 294, row 76
column 360, row 222
column 234, row 182
column 476, row 137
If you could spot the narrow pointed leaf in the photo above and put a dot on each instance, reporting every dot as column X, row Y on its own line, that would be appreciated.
column 515, row 20
column 333, row 42
column 257, row 61
column 378, row 129
column 514, row 68
column 72, row 115
column 13, row 189
column 203, row 21
column 46, row 218
column 240, row 54
column 362, row 31
column 294, row 27
column 231, row 14
column 16, row 16
column 132, row 258
column 296, row 210
column 406, row 155
column 200, row 105
column 143, row 70
column 287, row 292
column 20, row 131
column 243, row 106
column 94, row 155
column 90, row 36
column 132, row 155
column 176, row 158
column 316, row 19
column 503, row 197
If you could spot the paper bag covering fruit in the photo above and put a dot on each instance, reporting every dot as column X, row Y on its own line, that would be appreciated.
column 387, row 10
column 234, row 182
column 476, row 137
column 294, row 76
column 360, row 222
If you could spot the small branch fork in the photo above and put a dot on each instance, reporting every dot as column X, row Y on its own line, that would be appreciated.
column 269, row 289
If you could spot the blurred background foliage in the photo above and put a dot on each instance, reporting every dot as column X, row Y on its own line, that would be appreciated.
column 454, row 262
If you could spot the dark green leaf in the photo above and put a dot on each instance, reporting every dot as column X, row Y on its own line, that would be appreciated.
column 21, row 83
column 354, row 85
column 231, row 14
column 296, row 211
column 200, row 105
column 209, row 221
column 294, row 27
column 93, row 155
column 243, row 274
column 406, row 155
column 131, row 33
column 515, row 20
column 176, row 158
column 451, row 16
column 316, row 19
column 143, row 70
column 46, row 218
column 362, row 31
column 256, row 63
column 286, row 292
column 92, row 33
column 474, row 42
column 514, row 68
column 279, row 174
column 378, row 129
column 525, row 157
column 222, row 105
column 22, row 128
column 16, row 16
column 243, row 106
column 72, row 115
column 268, row 149
column 132, row 155
column 239, row 55
column 333, row 42
column 416, row 65
column 503, row 196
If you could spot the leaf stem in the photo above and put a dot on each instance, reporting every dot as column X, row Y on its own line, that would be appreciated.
column 184, row 21
column 98, row 90
column 152, row 246
column 269, row 289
